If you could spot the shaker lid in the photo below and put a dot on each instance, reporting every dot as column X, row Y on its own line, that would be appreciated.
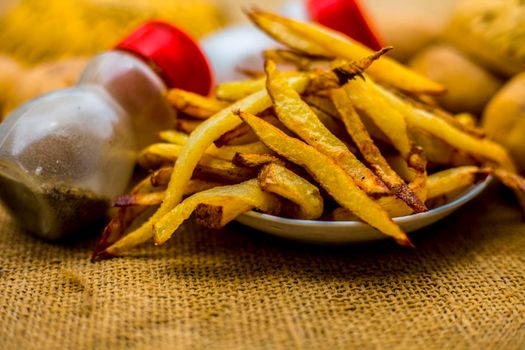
column 347, row 17
column 175, row 56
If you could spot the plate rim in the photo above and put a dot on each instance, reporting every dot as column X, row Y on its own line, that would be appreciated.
column 463, row 198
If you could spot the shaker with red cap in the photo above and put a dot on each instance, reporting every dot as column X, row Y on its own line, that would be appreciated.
column 64, row 155
column 241, row 46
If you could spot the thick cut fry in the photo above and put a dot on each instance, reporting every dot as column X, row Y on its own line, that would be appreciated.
column 438, row 184
column 251, row 160
column 483, row 149
column 315, row 39
column 322, row 103
column 174, row 136
column 236, row 90
column 156, row 197
column 371, row 153
column 217, row 215
column 242, row 134
column 187, row 125
column 277, row 179
column 300, row 60
column 390, row 121
column 452, row 179
column 210, row 130
column 297, row 116
column 331, row 177
column 164, row 153
column 193, row 104
column 248, row 191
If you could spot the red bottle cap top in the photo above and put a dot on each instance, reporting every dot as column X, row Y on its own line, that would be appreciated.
column 177, row 57
column 345, row 16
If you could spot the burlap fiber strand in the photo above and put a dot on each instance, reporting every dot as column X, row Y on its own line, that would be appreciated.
column 463, row 287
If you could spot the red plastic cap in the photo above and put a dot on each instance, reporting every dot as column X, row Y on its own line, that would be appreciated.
column 178, row 57
column 345, row 16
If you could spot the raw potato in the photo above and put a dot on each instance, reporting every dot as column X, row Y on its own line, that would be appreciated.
column 492, row 31
column 469, row 86
column 504, row 119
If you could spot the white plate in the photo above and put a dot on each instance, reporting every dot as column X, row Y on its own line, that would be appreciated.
column 349, row 232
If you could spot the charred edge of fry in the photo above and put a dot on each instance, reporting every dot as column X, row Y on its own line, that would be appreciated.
column 242, row 131
column 161, row 177
column 251, row 160
column 355, row 69
column 209, row 216
column 187, row 125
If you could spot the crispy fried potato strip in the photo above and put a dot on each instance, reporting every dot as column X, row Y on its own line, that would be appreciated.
column 160, row 154
column 277, row 179
column 187, row 125
column 237, row 90
column 482, row 149
column 193, row 104
column 452, row 179
column 253, row 160
column 297, row 116
column 174, row 136
column 216, row 215
column 371, row 153
column 331, row 177
column 248, row 191
column 317, row 40
column 199, row 140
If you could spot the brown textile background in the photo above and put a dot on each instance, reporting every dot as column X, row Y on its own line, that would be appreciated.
column 463, row 287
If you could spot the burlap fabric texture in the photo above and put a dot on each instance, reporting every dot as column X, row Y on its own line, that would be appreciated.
column 462, row 288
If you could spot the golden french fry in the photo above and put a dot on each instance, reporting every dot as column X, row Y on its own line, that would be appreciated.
column 217, row 215
column 242, row 134
column 389, row 120
column 331, row 177
column 314, row 39
column 193, row 104
column 210, row 130
column 160, row 154
column 187, row 125
column 237, row 90
column 254, row 160
column 371, row 153
column 174, row 136
column 297, row 116
column 248, row 191
column 483, row 149
column 452, row 179
column 277, row 179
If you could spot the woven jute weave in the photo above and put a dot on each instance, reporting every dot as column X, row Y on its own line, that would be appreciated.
column 462, row 287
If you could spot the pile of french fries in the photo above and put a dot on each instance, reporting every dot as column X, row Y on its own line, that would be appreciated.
column 329, row 131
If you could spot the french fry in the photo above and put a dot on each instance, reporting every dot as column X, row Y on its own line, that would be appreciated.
column 174, row 136
column 187, row 125
column 331, row 177
column 160, row 154
column 371, row 153
column 452, row 179
column 217, row 215
column 254, row 160
column 483, row 149
column 277, row 179
column 315, row 39
column 242, row 134
column 194, row 105
column 248, row 191
column 210, row 130
column 298, row 117
column 237, row 90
